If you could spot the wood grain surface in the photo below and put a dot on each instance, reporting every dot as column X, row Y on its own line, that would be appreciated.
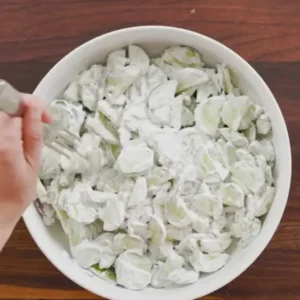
column 35, row 34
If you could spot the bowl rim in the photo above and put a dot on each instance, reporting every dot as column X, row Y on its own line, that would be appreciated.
column 272, row 227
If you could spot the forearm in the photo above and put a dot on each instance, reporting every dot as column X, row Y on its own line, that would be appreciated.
column 9, row 216
column 5, row 233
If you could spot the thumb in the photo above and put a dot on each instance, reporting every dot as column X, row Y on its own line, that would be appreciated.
column 28, row 98
column 33, row 133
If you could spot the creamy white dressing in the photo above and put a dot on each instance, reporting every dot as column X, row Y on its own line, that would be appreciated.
column 174, row 164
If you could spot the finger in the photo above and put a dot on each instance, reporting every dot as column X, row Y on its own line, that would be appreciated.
column 33, row 133
column 10, row 126
column 15, row 128
column 4, row 119
column 11, row 137
column 28, row 98
column 46, row 117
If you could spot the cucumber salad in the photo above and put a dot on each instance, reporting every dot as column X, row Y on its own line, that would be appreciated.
column 173, row 172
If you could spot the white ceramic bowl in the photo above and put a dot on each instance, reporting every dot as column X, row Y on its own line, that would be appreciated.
column 154, row 39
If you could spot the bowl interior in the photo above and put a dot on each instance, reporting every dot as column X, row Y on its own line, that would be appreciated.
column 154, row 40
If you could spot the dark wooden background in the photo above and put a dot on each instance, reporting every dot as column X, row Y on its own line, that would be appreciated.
column 35, row 34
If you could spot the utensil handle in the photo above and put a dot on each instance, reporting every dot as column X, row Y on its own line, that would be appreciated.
column 10, row 100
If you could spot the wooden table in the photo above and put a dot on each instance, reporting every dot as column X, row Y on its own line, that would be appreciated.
column 35, row 34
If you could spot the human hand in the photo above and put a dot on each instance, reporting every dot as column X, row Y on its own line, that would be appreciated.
column 21, row 142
